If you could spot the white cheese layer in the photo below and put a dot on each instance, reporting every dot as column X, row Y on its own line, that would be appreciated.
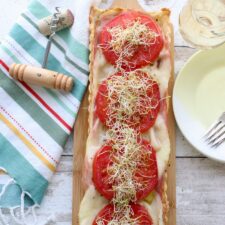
column 159, row 139
column 92, row 204
column 155, row 209
column 157, row 135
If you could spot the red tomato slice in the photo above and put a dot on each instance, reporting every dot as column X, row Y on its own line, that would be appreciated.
column 143, row 54
column 146, row 173
column 146, row 121
column 139, row 212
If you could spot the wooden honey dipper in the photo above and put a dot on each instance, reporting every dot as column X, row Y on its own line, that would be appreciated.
column 42, row 76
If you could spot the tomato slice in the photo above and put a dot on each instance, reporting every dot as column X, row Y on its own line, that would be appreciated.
column 141, row 122
column 139, row 213
column 146, row 173
column 142, row 54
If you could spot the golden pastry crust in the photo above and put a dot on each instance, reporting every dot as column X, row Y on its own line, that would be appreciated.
column 162, row 18
column 165, row 201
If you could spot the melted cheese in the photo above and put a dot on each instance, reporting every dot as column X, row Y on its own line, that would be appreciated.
column 159, row 139
column 157, row 135
column 92, row 204
column 155, row 209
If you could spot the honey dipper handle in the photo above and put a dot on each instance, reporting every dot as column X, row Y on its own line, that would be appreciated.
column 41, row 77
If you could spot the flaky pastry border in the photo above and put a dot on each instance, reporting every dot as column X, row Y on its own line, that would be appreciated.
column 162, row 16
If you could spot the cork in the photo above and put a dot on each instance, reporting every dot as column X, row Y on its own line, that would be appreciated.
column 66, row 19
column 41, row 77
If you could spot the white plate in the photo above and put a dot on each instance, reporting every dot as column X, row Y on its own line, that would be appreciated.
column 199, row 98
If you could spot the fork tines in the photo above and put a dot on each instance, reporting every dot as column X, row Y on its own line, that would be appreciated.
column 215, row 136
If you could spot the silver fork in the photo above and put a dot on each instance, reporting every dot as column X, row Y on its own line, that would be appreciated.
column 215, row 135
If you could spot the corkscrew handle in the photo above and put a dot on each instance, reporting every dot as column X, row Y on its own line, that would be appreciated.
column 41, row 77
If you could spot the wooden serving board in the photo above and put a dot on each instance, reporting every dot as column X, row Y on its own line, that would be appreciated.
column 80, row 137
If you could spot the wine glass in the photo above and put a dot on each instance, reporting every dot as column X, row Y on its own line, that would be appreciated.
column 202, row 23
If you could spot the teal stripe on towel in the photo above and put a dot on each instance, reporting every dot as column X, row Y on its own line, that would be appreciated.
column 22, row 171
column 76, row 48
column 22, row 37
column 59, row 47
column 33, row 109
column 50, row 92
column 12, row 197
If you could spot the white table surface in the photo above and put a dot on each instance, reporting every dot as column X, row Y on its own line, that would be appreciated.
column 200, row 181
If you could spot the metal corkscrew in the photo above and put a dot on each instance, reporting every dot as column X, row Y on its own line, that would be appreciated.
column 53, row 28
column 42, row 76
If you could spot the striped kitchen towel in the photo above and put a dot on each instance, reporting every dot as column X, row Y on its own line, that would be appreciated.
column 35, row 122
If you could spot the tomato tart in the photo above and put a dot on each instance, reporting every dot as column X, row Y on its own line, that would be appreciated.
column 128, row 146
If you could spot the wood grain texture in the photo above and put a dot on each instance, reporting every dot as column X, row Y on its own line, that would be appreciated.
column 80, row 136
column 171, row 171
column 200, row 192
